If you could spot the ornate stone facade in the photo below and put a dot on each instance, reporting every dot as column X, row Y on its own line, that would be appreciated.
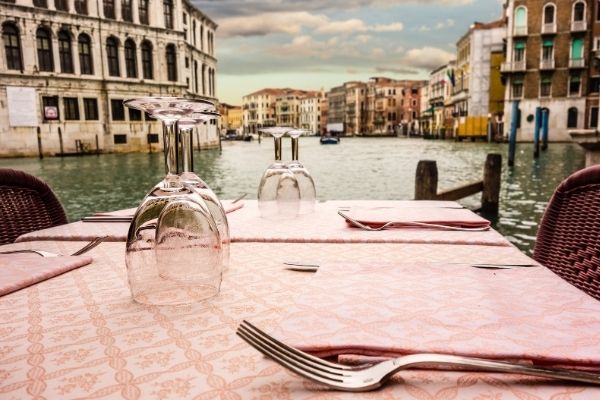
column 66, row 66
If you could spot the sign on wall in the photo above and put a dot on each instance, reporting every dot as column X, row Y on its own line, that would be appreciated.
column 50, row 113
column 22, row 106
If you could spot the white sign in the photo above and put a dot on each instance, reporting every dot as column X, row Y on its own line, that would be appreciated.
column 22, row 106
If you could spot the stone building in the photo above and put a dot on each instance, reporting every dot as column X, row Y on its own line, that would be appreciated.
column 67, row 65
column 259, row 109
column 310, row 112
column 336, row 110
column 549, row 66
column 356, row 115
column 231, row 119
column 440, row 88
column 287, row 107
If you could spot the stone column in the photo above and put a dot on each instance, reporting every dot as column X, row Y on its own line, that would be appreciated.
column 135, row 12
column 589, row 139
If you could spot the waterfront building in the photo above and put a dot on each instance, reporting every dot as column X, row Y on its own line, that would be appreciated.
column 67, row 65
column 550, row 66
column 336, row 110
column 410, row 107
column 356, row 116
column 310, row 111
column 477, row 83
column 440, row 87
column 426, row 115
column 231, row 118
column 324, row 111
column 287, row 107
column 259, row 109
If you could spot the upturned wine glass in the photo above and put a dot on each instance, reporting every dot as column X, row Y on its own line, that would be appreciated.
column 154, row 277
column 308, row 193
column 190, row 179
column 278, row 191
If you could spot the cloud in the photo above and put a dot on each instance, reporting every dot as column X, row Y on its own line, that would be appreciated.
column 395, row 70
column 292, row 23
column 363, row 39
column 426, row 57
column 229, row 8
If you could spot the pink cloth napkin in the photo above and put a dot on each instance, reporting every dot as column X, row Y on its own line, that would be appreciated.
column 18, row 271
column 401, row 216
column 128, row 212
column 525, row 314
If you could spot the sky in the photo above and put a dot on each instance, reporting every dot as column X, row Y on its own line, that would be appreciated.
column 319, row 44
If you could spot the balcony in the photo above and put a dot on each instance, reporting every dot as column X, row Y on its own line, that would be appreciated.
column 520, row 31
column 578, row 26
column 515, row 66
column 548, row 29
column 577, row 63
column 546, row 64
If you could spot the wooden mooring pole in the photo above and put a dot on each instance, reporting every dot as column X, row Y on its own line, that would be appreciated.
column 426, row 183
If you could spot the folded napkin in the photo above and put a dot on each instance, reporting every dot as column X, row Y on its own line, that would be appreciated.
column 18, row 271
column 128, row 212
column 402, row 216
column 522, row 314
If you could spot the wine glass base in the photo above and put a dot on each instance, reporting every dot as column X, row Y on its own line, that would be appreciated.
column 179, row 295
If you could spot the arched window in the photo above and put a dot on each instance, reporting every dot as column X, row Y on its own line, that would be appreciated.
column 143, row 11
column 86, row 64
column 168, row 12
column 126, row 12
column 549, row 13
column 44, row 50
column 147, row 65
column 203, row 79
column 579, row 12
column 195, row 76
column 572, row 118
column 81, row 7
column 202, row 37
column 65, row 54
column 171, row 63
column 112, row 56
column 521, row 20
column 12, row 46
column 130, row 59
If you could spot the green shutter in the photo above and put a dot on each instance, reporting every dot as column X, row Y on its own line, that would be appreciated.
column 521, row 16
column 577, row 49
column 548, row 43
column 520, row 44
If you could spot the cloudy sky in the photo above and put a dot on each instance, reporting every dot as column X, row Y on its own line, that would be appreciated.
column 313, row 44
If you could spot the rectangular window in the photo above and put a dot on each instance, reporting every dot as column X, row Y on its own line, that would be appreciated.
column 574, row 85
column 135, row 115
column 519, row 54
column 126, row 12
column 109, row 9
column 548, row 50
column 546, row 87
column 81, row 7
column 143, row 11
column 517, row 89
column 120, row 139
column 594, row 117
column 71, row 108
column 61, row 5
column 153, row 138
column 90, row 109
column 594, row 85
column 117, row 110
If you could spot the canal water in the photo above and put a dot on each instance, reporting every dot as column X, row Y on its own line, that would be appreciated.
column 357, row 168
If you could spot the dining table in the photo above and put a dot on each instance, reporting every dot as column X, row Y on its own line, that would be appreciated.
column 80, row 335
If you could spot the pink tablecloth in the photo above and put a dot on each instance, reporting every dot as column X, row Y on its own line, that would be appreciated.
column 323, row 226
column 79, row 335
column 390, row 310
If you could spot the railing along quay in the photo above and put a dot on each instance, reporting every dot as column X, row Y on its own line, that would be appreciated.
column 426, row 184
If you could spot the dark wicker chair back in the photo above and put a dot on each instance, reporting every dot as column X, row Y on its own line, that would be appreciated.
column 568, row 241
column 26, row 204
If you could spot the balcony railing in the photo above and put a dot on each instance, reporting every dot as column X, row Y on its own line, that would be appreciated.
column 520, row 31
column 548, row 28
column 576, row 63
column 578, row 26
column 515, row 66
column 547, row 64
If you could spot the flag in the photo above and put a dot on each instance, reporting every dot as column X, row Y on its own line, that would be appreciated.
column 450, row 76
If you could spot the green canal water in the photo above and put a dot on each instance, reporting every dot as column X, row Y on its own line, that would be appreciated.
column 357, row 168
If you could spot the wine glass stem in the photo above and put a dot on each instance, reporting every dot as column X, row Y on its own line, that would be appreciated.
column 170, row 143
column 278, row 149
column 187, row 149
column 295, row 149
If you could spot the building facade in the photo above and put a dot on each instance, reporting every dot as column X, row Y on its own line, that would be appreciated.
column 550, row 66
column 259, row 109
column 336, row 110
column 287, row 106
column 67, row 65
column 310, row 112
column 231, row 119
column 440, row 88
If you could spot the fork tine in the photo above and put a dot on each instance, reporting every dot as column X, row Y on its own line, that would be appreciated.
column 355, row 222
column 293, row 352
column 90, row 246
column 285, row 361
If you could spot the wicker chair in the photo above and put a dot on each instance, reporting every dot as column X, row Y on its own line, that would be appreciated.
column 26, row 204
column 568, row 241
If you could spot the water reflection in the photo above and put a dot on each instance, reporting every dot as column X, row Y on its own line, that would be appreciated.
column 358, row 168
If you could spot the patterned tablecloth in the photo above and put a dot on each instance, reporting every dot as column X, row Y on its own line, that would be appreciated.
column 80, row 335
column 323, row 226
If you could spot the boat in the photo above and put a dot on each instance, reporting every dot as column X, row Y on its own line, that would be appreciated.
column 329, row 140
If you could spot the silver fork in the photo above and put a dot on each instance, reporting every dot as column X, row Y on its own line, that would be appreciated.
column 93, row 243
column 372, row 376
column 409, row 223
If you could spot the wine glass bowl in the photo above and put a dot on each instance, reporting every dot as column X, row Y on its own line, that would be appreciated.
column 278, row 191
column 308, row 193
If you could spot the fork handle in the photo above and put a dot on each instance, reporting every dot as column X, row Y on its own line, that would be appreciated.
column 480, row 364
